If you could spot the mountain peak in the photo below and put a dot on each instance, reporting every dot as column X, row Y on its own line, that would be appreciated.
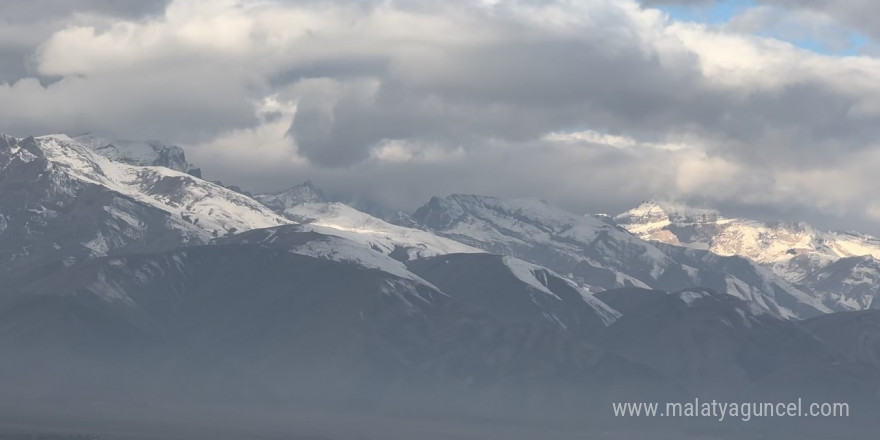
column 647, row 207
column 7, row 141
column 650, row 203
column 305, row 192
column 661, row 211
column 827, row 262
column 64, row 201
column 139, row 153
column 441, row 213
column 594, row 253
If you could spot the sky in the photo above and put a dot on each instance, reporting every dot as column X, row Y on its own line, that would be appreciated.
column 767, row 108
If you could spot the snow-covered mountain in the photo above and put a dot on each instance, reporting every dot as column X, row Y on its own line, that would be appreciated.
column 762, row 242
column 62, row 200
column 307, row 192
column 344, row 221
column 598, row 255
column 851, row 283
column 295, row 195
column 820, row 261
column 69, row 199
column 335, row 246
column 141, row 153
column 121, row 277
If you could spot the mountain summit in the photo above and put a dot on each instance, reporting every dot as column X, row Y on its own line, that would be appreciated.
column 63, row 199
column 139, row 153
column 797, row 252
column 293, row 196
column 602, row 256
column 129, row 283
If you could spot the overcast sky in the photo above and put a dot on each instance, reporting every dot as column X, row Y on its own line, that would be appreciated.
column 768, row 107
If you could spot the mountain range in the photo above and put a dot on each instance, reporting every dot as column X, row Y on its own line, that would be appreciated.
column 838, row 268
column 127, row 278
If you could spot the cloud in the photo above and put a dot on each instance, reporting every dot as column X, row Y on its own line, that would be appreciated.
column 595, row 104
column 41, row 10
column 833, row 23
column 809, row 27
column 677, row 2
column 853, row 13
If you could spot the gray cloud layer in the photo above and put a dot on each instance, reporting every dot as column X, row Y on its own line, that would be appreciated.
column 594, row 104
column 857, row 13
column 41, row 10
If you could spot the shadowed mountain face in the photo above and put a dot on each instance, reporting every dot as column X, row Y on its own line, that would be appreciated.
column 720, row 345
column 250, row 324
column 855, row 336
column 519, row 292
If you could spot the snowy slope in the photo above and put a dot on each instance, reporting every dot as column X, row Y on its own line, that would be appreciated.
column 401, row 242
column 460, row 275
column 295, row 195
column 516, row 227
column 64, row 201
column 851, row 283
column 594, row 253
column 303, row 240
column 211, row 210
column 765, row 243
column 142, row 153
column 67, row 200
column 337, row 232
column 797, row 252
column 539, row 278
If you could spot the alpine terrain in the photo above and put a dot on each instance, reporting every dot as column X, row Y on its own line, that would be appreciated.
column 839, row 268
column 132, row 290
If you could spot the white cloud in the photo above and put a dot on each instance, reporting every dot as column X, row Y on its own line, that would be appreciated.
column 402, row 151
column 709, row 177
column 803, row 25
column 591, row 136
column 266, row 146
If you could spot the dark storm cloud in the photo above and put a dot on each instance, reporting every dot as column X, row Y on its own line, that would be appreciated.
column 801, row 125
column 13, row 64
column 517, row 89
column 42, row 10
column 27, row 23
